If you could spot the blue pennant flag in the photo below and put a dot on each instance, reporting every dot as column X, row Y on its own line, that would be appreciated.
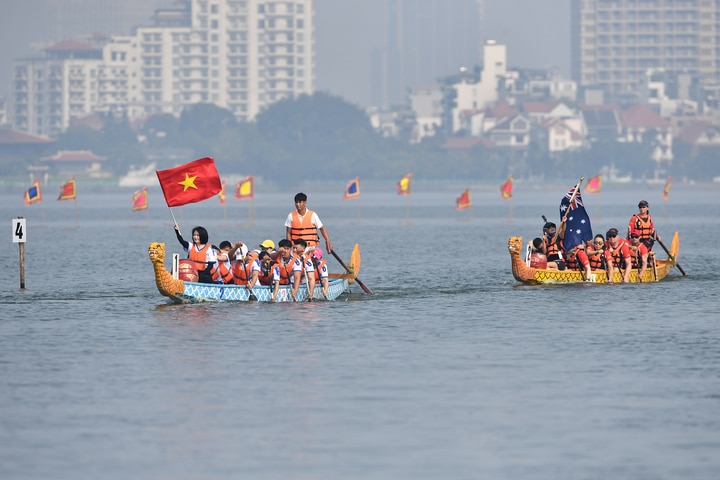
column 578, row 229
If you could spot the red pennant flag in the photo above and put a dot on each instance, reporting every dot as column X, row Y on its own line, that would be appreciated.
column 67, row 191
column 352, row 189
column 190, row 183
column 666, row 190
column 594, row 184
column 463, row 201
column 245, row 188
column 221, row 195
column 403, row 186
column 140, row 200
column 33, row 194
column 507, row 188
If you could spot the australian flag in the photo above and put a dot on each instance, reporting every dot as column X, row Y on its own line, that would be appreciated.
column 578, row 229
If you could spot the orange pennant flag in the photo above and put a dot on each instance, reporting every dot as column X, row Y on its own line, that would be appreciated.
column 506, row 188
column 140, row 200
column 594, row 184
column 403, row 186
column 67, row 191
column 190, row 183
column 463, row 201
column 245, row 188
column 666, row 190
column 221, row 195
column 33, row 194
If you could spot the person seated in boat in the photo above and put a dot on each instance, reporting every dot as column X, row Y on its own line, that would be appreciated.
column 552, row 238
column 267, row 246
column 321, row 270
column 269, row 269
column 225, row 262
column 202, row 253
column 643, row 223
column 247, row 271
column 301, row 249
column 596, row 253
column 577, row 259
column 640, row 254
column 538, row 259
column 617, row 255
column 291, row 267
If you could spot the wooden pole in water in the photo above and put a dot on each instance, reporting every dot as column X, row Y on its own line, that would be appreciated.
column 22, row 265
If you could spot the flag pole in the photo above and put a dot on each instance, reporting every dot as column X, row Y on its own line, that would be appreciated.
column 77, row 216
column 577, row 189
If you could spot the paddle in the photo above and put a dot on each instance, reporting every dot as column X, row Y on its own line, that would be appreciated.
column 654, row 268
column 344, row 265
column 670, row 256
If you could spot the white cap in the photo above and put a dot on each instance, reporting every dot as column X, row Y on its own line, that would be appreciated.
column 241, row 252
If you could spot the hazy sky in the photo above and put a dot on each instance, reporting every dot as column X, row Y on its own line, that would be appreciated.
column 537, row 33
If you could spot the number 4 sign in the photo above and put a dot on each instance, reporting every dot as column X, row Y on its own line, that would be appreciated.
column 18, row 230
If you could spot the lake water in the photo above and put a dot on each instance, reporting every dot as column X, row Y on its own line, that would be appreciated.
column 450, row 371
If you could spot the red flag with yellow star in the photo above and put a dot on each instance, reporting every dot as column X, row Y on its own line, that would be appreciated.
column 190, row 183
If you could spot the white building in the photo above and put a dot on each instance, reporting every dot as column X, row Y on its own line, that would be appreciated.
column 426, row 102
column 473, row 96
column 242, row 55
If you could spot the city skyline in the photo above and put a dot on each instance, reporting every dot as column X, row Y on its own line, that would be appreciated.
column 347, row 32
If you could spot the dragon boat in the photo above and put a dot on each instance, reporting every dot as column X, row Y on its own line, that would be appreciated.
column 183, row 291
column 523, row 272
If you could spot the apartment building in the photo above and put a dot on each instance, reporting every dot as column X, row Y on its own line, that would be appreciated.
column 242, row 55
column 615, row 42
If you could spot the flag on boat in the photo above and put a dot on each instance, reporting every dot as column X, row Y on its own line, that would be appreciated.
column 67, row 191
column 577, row 229
column 594, row 184
column 245, row 188
column 506, row 188
column 403, row 186
column 190, row 183
column 221, row 195
column 666, row 190
column 463, row 201
column 140, row 200
column 33, row 194
column 352, row 189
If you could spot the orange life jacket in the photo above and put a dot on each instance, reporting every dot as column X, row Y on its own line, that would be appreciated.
column 266, row 276
column 319, row 267
column 304, row 229
column 597, row 260
column 243, row 272
column 644, row 227
column 225, row 273
column 200, row 260
column 618, row 259
column 286, row 269
column 636, row 256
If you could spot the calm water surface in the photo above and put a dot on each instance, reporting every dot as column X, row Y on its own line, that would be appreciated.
column 451, row 370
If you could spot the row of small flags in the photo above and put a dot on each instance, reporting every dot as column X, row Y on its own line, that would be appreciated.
column 245, row 189
column 67, row 192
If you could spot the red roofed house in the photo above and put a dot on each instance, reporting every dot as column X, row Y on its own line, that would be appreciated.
column 77, row 162
column 640, row 123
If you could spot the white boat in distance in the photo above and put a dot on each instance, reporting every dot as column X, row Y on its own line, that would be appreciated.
column 140, row 177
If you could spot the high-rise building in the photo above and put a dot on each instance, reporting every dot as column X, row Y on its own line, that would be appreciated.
column 615, row 42
column 427, row 40
column 242, row 55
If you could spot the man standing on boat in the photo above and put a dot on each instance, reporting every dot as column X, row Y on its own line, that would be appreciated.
column 304, row 224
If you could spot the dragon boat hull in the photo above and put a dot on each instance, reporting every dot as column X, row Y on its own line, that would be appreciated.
column 183, row 291
column 207, row 292
column 538, row 276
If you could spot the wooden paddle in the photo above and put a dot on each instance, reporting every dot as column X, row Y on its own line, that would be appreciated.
column 344, row 265
column 670, row 256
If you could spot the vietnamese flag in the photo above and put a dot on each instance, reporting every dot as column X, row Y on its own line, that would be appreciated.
column 67, row 191
column 190, row 183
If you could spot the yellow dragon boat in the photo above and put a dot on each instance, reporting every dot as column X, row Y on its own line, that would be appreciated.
column 523, row 272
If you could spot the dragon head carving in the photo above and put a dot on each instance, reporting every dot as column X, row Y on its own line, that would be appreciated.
column 515, row 245
column 156, row 252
